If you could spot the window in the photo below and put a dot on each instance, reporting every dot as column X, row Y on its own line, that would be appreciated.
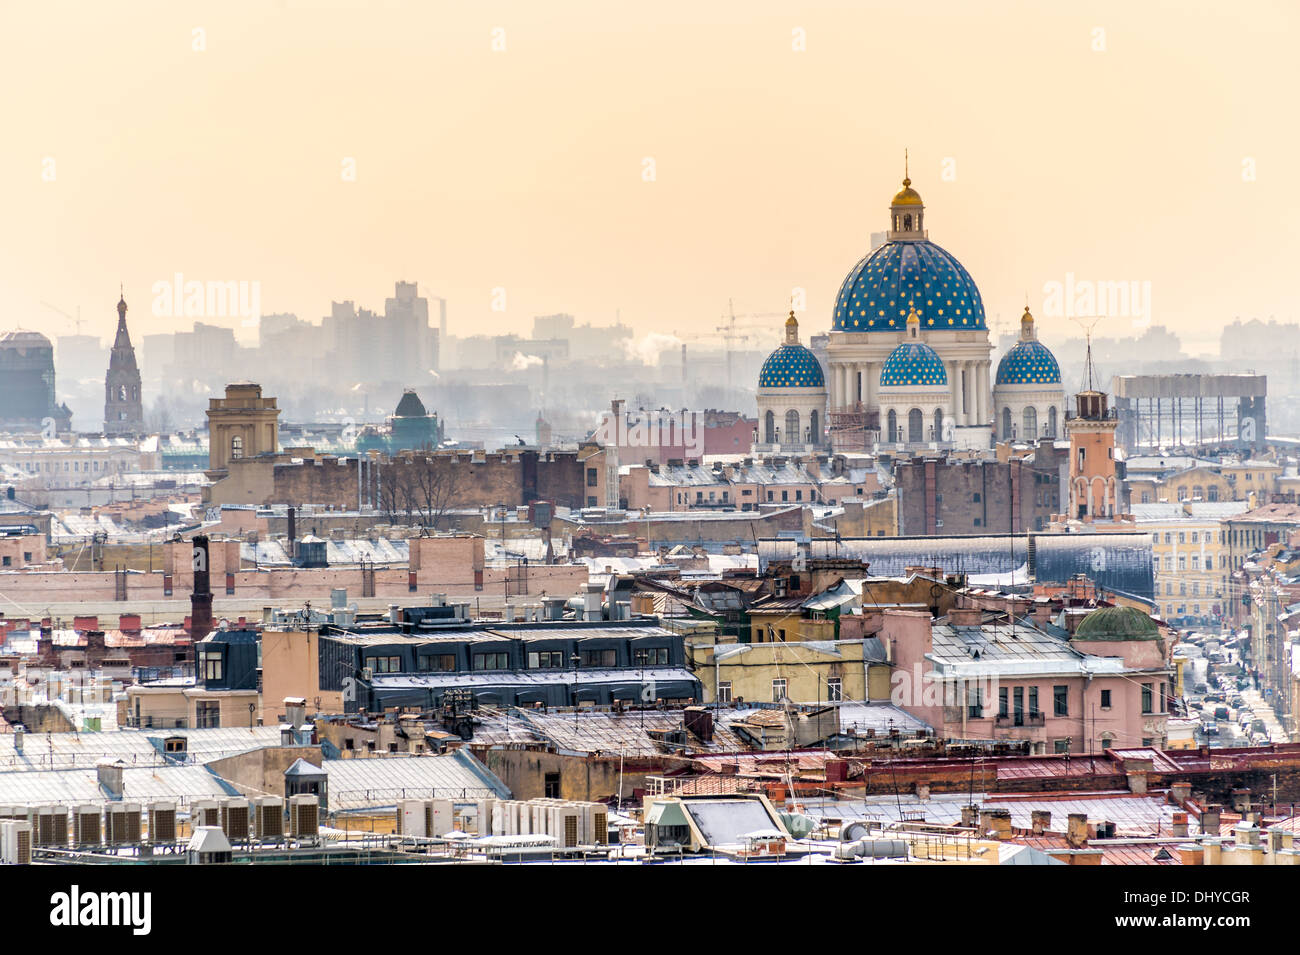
column 1062, row 745
column 207, row 714
column 491, row 661
column 974, row 701
column 834, row 690
column 1061, row 701
column 1033, row 701
column 546, row 660
column 650, row 656
column 436, row 662
column 212, row 665
column 724, row 693
column 551, row 785
column 6, row 561
column 593, row 477
column 1105, row 699
column 385, row 664
column 1018, row 696
column 778, row 691
column 1003, row 710
column 1146, row 698
column 599, row 658
column 237, row 446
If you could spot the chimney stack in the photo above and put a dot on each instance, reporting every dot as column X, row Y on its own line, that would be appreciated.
column 1040, row 821
column 1076, row 831
column 201, row 598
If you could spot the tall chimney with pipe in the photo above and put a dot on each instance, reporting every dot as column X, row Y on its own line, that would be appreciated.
column 293, row 533
column 201, row 599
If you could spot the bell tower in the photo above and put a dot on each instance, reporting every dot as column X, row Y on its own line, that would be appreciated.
column 123, row 406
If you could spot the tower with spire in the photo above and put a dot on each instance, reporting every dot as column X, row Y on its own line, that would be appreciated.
column 123, row 407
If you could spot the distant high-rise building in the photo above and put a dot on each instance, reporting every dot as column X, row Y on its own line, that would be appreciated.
column 123, row 406
column 27, row 385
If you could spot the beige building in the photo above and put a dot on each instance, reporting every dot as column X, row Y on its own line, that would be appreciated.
column 182, row 704
column 1191, row 554
column 243, row 424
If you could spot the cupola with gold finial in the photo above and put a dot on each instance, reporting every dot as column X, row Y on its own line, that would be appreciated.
column 1028, row 362
column 906, row 210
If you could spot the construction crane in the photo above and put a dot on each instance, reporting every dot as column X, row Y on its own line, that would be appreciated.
column 730, row 334
column 75, row 321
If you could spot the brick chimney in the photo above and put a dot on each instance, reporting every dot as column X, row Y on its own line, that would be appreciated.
column 996, row 823
column 1179, row 793
column 965, row 616
column 1179, row 825
column 1076, row 830
column 1040, row 820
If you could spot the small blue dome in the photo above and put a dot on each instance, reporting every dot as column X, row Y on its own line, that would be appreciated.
column 791, row 366
column 1028, row 363
column 912, row 363
column 904, row 274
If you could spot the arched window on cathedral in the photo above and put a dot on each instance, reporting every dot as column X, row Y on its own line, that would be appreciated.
column 237, row 446
column 915, row 426
column 907, row 223
column 1006, row 424
column 1051, row 421
column 892, row 429
column 792, row 426
column 769, row 428
column 938, row 424
column 814, row 428
column 1030, row 430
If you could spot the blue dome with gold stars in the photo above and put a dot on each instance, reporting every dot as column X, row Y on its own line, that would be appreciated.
column 791, row 366
column 911, row 364
column 1028, row 363
column 905, row 274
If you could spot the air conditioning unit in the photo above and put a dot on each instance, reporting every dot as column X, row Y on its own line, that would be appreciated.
column 270, row 818
column 16, row 842
column 87, row 826
column 52, row 826
column 235, row 820
column 122, row 824
column 304, row 816
column 412, row 817
column 162, row 822
column 205, row 812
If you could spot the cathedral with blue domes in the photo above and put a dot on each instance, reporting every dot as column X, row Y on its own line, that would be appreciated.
column 908, row 360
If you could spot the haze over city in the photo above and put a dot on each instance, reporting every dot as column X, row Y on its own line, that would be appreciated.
column 1152, row 151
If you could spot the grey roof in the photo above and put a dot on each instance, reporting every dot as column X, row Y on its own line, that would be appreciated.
column 629, row 675
column 1006, row 650
column 381, row 781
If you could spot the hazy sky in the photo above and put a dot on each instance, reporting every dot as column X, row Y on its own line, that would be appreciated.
column 1169, row 156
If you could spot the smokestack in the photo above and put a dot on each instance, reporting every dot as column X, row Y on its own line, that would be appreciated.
column 201, row 599
column 293, row 533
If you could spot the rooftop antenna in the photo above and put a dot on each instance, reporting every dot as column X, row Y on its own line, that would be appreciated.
column 1087, row 327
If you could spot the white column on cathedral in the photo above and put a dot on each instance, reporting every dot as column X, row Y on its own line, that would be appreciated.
column 985, row 394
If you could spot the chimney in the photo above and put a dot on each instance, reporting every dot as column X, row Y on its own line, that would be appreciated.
column 84, row 622
column 201, row 598
column 699, row 723
column 1241, row 800
column 19, row 732
column 1179, row 793
column 969, row 817
column 996, row 823
column 1179, row 826
column 1210, row 817
column 109, row 773
column 965, row 616
column 295, row 711
column 293, row 533
column 1040, row 820
column 1076, row 831
column 129, row 622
